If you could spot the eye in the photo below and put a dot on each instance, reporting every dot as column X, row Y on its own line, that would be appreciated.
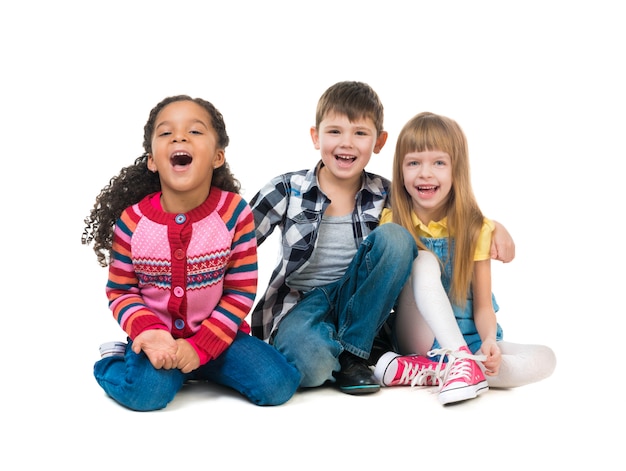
column 195, row 131
column 165, row 133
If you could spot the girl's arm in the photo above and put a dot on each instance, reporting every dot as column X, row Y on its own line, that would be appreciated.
column 145, row 328
column 122, row 289
column 485, row 316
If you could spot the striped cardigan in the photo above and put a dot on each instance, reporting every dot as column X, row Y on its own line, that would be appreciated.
column 192, row 274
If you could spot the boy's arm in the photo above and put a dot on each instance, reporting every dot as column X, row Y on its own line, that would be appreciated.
column 269, row 207
column 502, row 245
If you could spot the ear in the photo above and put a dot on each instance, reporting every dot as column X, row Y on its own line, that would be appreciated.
column 220, row 158
column 315, row 137
column 151, row 164
column 380, row 142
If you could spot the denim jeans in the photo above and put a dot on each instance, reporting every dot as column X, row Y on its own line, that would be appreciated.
column 347, row 314
column 249, row 366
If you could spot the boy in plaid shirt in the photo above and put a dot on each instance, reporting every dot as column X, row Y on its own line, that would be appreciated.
column 339, row 273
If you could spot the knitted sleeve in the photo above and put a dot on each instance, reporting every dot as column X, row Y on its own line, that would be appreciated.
column 218, row 331
column 122, row 289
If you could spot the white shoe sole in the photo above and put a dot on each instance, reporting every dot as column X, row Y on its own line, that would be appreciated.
column 463, row 393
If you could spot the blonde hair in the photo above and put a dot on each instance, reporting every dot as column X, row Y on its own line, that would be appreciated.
column 428, row 132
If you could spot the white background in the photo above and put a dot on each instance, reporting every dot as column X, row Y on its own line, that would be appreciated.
column 538, row 88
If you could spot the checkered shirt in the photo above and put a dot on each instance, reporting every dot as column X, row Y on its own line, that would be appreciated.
column 295, row 203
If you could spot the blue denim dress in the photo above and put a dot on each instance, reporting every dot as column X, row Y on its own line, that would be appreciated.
column 464, row 315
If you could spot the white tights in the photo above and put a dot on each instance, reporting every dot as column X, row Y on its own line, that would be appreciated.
column 424, row 313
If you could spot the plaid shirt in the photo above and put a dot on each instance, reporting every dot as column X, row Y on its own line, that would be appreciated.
column 295, row 203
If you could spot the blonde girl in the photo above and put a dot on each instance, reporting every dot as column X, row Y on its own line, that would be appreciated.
column 445, row 324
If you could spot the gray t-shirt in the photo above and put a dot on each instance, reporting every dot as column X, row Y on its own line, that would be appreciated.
column 334, row 250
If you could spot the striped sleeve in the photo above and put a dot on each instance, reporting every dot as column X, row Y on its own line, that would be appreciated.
column 122, row 289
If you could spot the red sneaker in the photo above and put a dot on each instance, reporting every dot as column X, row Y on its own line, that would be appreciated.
column 393, row 369
column 463, row 378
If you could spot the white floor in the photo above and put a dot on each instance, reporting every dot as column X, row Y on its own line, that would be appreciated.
column 557, row 424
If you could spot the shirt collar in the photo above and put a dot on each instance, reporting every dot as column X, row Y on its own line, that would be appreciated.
column 434, row 229
column 367, row 182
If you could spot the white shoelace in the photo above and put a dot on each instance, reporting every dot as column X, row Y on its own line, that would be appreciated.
column 417, row 375
column 453, row 369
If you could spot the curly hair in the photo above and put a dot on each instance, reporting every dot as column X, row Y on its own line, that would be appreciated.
column 136, row 181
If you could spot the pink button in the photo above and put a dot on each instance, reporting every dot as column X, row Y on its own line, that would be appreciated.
column 179, row 292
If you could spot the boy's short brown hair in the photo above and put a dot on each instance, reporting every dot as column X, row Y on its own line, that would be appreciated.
column 355, row 100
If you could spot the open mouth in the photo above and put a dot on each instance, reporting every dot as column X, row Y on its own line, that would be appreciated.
column 427, row 189
column 180, row 159
column 345, row 159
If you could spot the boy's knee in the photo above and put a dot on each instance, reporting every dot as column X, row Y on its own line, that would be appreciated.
column 398, row 238
column 394, row 243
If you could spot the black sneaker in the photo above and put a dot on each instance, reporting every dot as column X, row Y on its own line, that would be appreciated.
column 355, row 376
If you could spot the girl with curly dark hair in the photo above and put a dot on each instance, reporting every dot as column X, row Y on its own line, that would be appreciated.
column 180, row 245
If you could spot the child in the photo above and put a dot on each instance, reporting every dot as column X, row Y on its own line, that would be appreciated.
column 432, row 197
column 339, row 275
column 182, row 268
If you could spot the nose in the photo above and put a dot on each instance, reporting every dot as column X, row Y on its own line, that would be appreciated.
column 178, row 136
column 425, row 171
column 346, row 140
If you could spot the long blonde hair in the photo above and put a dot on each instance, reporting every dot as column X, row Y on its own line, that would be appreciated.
column 428, row 132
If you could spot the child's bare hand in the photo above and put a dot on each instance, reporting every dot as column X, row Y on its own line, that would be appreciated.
column 490, row 349
column 159, row 346
column 502, row 245
column 188, row 359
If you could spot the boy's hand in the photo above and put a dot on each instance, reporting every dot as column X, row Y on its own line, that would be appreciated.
column 188, row 359
column 159, row 346
column 490, row 349
column 502, row 245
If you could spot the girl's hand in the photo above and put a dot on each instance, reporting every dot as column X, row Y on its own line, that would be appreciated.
column 490, row 349
column 188, row 359
column 159, row 346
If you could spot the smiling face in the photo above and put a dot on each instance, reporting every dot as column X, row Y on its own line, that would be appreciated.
column 427, row 178
column 184, row 153
column 346, row 147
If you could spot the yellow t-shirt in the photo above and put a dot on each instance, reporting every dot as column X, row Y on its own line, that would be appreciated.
column 439, row 229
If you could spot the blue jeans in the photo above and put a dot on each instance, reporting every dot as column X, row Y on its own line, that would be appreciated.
column 347, row 314
column 249, row 366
